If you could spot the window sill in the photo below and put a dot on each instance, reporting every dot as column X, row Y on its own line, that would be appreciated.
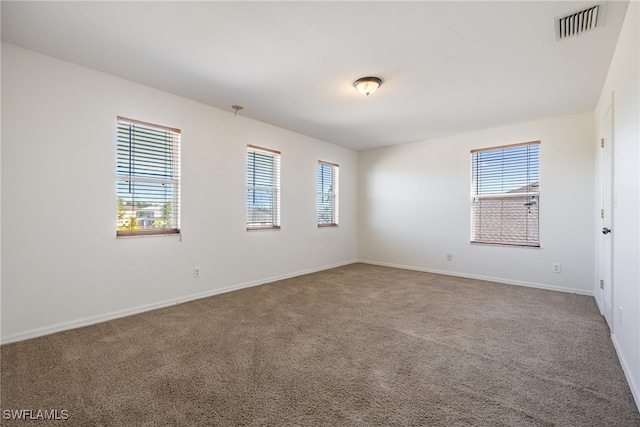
column 509, row 245
column 266, row 227
column 327, row 225
column 123, row 233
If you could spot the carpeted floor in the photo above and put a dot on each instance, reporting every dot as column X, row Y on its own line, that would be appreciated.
column 359, row 345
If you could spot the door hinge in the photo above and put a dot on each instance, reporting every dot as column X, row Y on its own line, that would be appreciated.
column 602, row 213
column 602, row 142
column 601, row 284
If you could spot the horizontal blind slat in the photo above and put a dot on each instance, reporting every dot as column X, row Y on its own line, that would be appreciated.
column 262, row 198
column 509, row 217
column 148, row 185
column 327, row 193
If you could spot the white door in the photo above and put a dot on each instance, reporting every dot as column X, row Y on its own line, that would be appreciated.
column 606, row 234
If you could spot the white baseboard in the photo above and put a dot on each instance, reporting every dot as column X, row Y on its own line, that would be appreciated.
column 486, row 278
column 92, row 320
column 633, row 385
column 259, row 282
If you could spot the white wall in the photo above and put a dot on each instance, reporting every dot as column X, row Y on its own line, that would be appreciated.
column 62, row 265
column 623, row 80
column 414, row 206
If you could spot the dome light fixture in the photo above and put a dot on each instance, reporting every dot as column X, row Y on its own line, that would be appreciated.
column 367, row 85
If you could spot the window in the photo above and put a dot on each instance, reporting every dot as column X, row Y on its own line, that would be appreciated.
column 263, row 188
column 148, row 179
column 327, row 186
column 505, row 195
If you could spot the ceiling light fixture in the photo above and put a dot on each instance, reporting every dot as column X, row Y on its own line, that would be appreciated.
column 367, row 85
column 237, row 108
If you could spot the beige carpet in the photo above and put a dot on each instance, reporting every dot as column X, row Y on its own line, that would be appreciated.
column 359, row 345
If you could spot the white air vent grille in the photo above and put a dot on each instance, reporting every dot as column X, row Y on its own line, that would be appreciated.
column 577, row 22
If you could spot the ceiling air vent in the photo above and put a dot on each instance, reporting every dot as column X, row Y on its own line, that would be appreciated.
column 578, row 22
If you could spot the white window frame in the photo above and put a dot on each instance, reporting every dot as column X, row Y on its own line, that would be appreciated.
column 332, row 195
column 505, row 195
column 274, row 189
column 127, row 172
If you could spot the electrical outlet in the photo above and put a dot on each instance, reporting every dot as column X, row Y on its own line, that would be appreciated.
column 196, row 272
column 449, row 257
column 556, row 267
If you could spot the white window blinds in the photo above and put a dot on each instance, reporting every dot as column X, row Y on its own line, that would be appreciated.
column 327, row 194
column 148, row 178
column 263, row 188
column 505, row 195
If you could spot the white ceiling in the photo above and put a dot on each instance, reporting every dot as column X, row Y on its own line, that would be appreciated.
column 448, row 67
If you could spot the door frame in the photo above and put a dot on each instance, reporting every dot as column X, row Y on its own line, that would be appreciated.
column 606, row 205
